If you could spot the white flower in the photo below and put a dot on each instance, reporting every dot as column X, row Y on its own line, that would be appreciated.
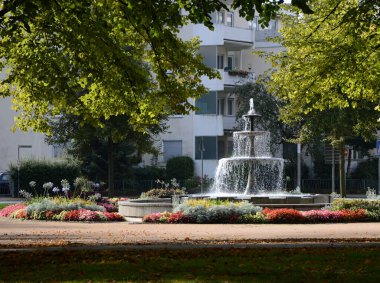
column 48, row 185
column 65, row 189
column 32, row 184
column 56, row 190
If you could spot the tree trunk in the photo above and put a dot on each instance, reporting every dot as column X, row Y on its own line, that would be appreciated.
column 342, row 179
column 349, row 159
column 110, row 157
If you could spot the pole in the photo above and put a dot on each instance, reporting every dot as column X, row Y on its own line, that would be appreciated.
column 378, row 176
column 299, row 165
column 333, row 170
column 202, row 149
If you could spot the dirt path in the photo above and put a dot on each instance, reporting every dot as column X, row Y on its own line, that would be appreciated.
column 16, row 233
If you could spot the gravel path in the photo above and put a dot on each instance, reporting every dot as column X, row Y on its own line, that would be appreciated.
column 17, row 234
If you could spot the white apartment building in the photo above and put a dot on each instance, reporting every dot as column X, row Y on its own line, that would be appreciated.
column 18, row 145
column 229, row 49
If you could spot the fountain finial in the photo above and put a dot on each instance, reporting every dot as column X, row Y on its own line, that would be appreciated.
column 251, row 115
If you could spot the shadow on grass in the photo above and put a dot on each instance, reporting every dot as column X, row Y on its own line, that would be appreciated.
column 195, row 265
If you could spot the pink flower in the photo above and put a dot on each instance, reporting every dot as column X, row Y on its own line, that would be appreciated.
column 7, row 211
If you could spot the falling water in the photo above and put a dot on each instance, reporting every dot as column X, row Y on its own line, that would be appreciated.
column 251, row 169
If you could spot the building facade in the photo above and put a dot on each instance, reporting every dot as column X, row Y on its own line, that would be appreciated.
column 206, row 135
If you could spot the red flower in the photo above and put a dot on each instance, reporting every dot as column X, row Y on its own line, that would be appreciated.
column 283, row 215
column 72, row 215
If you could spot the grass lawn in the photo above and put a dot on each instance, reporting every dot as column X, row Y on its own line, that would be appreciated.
column 195, row 265
column 2, row 205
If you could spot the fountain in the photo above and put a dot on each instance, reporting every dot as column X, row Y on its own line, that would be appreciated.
column 251, row 169
column 251, row 174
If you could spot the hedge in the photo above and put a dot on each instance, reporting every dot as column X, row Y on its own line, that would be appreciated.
column 42, row 171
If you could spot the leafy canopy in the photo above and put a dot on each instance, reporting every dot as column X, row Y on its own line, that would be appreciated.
column 103, row 58
column 329, row 73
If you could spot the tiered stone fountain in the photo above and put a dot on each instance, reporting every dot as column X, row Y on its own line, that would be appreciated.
column 251, row 169
column 251, row 174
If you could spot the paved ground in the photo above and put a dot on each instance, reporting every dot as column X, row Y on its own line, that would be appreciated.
column 16, row 233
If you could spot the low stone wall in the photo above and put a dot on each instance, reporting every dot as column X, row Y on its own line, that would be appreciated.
column 138, row 208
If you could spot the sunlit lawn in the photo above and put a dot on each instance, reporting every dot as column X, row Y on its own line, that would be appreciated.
column 195, row 265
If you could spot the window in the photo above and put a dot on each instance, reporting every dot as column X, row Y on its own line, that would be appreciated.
column 220, row 61
column 172, row 149
column 209, row 145
column 230, row 19
column 253, row 24
column 272, row 26
column 220, row 17
column 230, row 107
column 221, row 106
column 206, row 103
column 230, row 62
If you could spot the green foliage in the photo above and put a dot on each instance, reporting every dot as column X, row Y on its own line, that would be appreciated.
column 149, row 173
column 42, row 171
column 327, row 75
column 355, row 204
column 206, row 211
column 90, row 59
column 180, row 167
column 366, row 169
column 42, row 205
column 162, row 193
column 267, row 105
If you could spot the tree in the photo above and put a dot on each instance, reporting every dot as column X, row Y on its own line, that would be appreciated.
column 267, row 105
column 115, row 146
column 328, row 75
column 99, row 58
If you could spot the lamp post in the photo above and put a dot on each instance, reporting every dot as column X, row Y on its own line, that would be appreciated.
column 18, row 163
column 202, row 149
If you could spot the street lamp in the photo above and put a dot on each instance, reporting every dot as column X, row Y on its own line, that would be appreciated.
column 18, row 163
column 201, row 149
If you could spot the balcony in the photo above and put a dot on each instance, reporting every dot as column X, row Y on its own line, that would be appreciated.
column 238, row 77
column 234, row 37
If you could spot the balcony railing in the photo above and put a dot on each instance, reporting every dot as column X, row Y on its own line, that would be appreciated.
column 238, row 77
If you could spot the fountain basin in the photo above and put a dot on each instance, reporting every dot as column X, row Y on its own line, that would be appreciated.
column 138, row 208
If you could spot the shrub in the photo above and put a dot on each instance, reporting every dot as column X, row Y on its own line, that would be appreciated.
column 283, row 215
column 112, row 216
column 42, row 205
column 252, row 218
column 88, row 215
column 162, row 193
column 72, row 215
column 209, row 211
column 166, row 217
column 321, row 216
column 371, row 205
column 180, row 167
column 42, row 171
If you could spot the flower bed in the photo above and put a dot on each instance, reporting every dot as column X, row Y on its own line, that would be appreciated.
column 52, row 209
column 204, row 211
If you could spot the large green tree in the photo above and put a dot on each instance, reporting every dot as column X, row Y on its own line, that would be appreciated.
column 108, row 152
column 102, row 58
column 329, row 72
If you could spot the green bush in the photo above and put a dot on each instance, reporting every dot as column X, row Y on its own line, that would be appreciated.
column 149, row 173
column 371, row 205
column 43, row 171
column 180, row 167
column 210, row 212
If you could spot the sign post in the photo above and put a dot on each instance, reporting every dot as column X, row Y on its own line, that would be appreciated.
column 378, row 165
